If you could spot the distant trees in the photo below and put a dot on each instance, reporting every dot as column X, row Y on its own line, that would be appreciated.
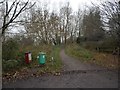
column 42, row 26
column 65, row 15
column 112, row 12
column 50, row 27
column 54, row 28
column 92, row 25
column 45, row 26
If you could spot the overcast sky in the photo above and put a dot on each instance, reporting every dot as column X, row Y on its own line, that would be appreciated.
column 75, row 4
column 56, row 4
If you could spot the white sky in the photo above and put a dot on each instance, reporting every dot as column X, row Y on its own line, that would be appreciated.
column 56, row 4
column 75, row 4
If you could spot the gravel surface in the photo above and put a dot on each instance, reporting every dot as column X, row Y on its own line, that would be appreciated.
column 75, row 75
column 74, row 64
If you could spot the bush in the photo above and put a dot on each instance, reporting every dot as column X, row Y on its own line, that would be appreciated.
column 78, row 52
column 10, row 64
column 107, row 45
column 21, row 58
column 91, row 45
column 80, row 39
column 10, row 49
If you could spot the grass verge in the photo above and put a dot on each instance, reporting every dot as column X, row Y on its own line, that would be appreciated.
column 51, row 66
column 102, row 59
column 53, row 62
column 78, row 52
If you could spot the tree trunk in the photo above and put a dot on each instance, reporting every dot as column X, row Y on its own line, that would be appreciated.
column 0, row 61
column 65, row 38
column 71, row 36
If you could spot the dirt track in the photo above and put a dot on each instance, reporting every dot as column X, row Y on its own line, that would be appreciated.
column 75, row 75
column 74, row 64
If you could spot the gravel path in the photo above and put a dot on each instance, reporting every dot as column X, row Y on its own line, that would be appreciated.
column 74, row 64
column 76, row 75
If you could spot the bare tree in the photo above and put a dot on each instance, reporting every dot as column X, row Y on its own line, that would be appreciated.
column 79, row 21
column 110, row 13
column 54, row 27
column 10, row 14
column 65, row 13
column 92, row 25
column 111, row 17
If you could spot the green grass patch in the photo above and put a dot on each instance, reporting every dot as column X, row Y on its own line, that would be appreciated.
column 102, row 59
column 52, row 64
column 76, row 51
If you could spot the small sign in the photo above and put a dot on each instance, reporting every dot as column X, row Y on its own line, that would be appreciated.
column 43, row 56
column 29, row 55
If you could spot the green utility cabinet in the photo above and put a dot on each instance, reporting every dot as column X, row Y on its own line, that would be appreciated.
column 42, row 58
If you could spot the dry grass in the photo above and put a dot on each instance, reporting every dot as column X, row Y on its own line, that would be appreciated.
column 107, row 60
column 103, row 59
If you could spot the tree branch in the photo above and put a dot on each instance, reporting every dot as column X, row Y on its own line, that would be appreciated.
column 2, row 1
column 15, row 14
